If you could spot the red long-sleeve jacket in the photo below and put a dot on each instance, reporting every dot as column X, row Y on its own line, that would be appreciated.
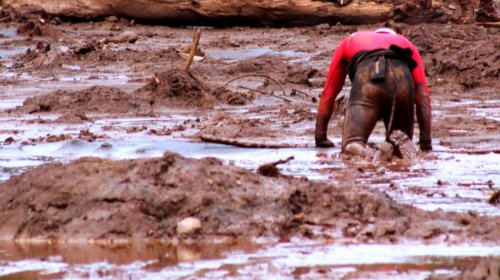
column 366, row 41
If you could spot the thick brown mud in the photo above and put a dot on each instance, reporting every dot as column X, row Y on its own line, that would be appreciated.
column 72, row 82
column 101, row 200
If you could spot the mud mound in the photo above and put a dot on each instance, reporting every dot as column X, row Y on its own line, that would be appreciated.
column 98, row 99
column 99, row 199
column 463, row 54
column 177, row 85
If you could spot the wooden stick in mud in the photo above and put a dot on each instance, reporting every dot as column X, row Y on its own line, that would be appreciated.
column 252, row 75
column 248, row 144
column 282, row 161
column 194, row 46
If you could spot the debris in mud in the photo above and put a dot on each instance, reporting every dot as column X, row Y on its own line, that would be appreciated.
column 125, row 37
column 89, row 136
column 73, row 117
column 9, row 140
column 37, row 28
column 177, row 85
column 271, row 169
column 42, row 56
column 230, row 97
column 188, row 225
column 46, row 139
column 186, row 50
column 86, row 48
column 92, row 199
column 495, row 198
column 300, row 75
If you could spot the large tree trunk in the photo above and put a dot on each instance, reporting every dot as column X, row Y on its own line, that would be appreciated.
column 206, row 11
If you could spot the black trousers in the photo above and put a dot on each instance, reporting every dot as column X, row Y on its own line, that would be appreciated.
column 372, row 100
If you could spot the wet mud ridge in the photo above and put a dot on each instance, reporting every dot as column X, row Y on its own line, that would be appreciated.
column 172, row 198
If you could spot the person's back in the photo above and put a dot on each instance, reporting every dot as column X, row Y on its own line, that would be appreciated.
column 381, row 64
column 368, row 40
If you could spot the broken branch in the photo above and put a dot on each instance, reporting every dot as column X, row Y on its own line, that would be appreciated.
column 270, row 169
column 194, row 46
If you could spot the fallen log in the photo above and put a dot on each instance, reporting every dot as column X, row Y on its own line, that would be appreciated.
column 489, row 24
column 197, row 12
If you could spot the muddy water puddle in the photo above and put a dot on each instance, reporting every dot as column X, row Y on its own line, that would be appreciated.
column 240, row 261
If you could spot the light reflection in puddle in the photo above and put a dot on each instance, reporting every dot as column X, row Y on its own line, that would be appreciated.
column 13, row 52
column 9, row 32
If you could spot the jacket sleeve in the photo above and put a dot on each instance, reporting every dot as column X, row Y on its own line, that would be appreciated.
column 422, row 98
column 334, row 81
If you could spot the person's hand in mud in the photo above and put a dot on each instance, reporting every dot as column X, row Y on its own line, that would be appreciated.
column 320, row 137
column 425, row 144
column 323, row 142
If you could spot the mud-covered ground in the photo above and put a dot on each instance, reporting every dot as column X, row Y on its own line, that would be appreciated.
column 67, row 82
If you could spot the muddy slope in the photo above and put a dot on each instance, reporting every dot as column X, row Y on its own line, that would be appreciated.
column 144, row 199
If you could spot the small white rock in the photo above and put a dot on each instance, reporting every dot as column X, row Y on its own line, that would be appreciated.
column 188, row 225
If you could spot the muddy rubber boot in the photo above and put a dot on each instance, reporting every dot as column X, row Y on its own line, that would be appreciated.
column 487, row 12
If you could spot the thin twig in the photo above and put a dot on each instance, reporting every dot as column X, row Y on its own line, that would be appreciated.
column 252, row 75
column 263, row 92
column 194, row 46
column 282, row 161
column 301, row 92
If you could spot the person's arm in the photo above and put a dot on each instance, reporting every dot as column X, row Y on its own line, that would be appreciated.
column 333, row 85
column 423, row 103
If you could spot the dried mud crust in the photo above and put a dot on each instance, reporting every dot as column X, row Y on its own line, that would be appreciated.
column 98, row 199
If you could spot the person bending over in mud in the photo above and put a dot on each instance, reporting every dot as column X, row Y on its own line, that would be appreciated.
column 387, row 80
